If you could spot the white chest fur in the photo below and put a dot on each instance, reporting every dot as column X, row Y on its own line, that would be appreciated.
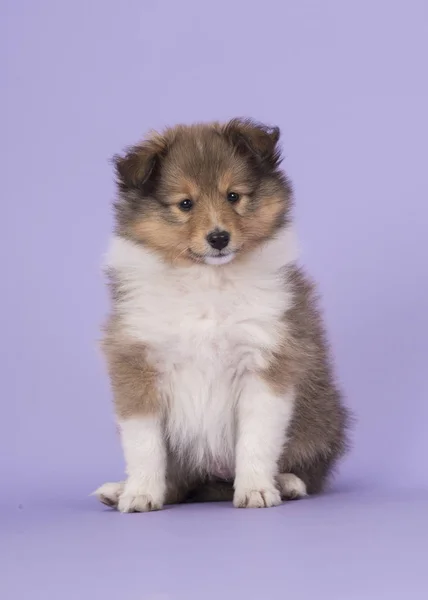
column 206, row 327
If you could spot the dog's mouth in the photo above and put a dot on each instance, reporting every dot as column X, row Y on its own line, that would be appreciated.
column 220, row 258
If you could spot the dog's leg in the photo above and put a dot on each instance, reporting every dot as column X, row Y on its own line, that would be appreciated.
column 144, row 490
column 291, row 486
column 145, row 456
column 263, row 419
column 109, row 493
column 139, row 411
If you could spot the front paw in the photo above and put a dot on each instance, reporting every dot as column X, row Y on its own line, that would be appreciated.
column 263, row 497
column 136, row 502
column 141, row 496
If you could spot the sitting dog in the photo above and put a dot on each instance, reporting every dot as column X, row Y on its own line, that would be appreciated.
column 218, row 360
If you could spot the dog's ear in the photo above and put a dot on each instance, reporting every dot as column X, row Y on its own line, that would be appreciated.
column 137, row 169
column 250, row 137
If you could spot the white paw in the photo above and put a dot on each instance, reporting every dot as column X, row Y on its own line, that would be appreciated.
column 138, row 496
column 291, row 486
column 261, row 498
column 109, row 493
column 129, row 502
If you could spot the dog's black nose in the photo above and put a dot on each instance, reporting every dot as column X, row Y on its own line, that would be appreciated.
column 218, row 239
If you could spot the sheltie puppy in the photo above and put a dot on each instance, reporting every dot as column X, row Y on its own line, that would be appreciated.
column 220, row 370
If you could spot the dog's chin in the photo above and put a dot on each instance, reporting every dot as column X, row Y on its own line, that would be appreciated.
column 213, row 260
column 219, row 260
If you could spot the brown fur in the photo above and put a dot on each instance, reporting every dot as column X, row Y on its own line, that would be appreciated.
column 318, row 429
column 204, row 163
column 132, row 377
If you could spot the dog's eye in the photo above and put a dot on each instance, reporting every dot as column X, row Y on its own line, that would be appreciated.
column 186, row 205
column 232, row 197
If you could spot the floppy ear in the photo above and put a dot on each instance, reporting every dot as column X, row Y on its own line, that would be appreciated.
column 136, row 170
column 250, row 137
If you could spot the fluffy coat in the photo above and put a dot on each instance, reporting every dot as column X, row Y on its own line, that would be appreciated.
column 218, row 359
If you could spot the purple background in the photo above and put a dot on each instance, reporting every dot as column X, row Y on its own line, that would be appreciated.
column 347, row 83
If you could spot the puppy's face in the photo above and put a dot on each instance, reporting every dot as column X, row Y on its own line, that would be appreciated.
column 203, row 193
